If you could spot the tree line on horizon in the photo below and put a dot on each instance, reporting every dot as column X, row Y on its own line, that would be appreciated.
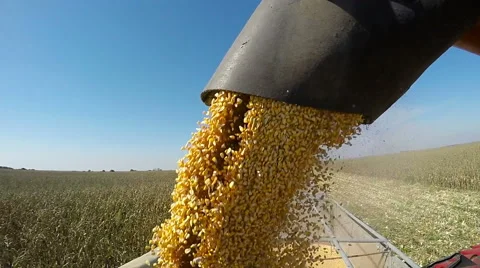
column 111, row 170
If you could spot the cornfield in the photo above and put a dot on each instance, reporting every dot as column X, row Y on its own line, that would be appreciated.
column 79, row 219
column 452, row 166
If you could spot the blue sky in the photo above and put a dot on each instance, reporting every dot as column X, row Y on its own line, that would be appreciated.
column 116, row 84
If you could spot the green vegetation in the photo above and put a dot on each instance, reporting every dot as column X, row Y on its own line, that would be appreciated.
column 79, row 219
column 452, row 166
column 426, row 202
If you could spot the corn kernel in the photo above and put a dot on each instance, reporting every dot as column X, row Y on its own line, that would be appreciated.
column 254, row 163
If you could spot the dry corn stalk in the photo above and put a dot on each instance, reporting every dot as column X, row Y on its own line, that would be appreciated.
column 244, row 181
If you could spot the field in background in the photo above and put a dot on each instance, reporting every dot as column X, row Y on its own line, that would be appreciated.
column 425, row 222
column 79, row 219
column 455, row 166
column 96, row 219
column 426, row 202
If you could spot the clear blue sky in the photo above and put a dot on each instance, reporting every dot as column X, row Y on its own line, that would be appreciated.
column 116, row 84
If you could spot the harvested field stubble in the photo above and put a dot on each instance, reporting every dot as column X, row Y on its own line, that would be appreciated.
column 426, row 222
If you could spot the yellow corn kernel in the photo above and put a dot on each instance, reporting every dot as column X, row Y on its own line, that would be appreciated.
column 243, row 188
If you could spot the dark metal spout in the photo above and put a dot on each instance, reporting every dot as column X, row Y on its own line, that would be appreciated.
column 344, row 55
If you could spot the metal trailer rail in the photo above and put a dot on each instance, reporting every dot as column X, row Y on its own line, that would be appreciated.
column 357, row 244
column 145, row 261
